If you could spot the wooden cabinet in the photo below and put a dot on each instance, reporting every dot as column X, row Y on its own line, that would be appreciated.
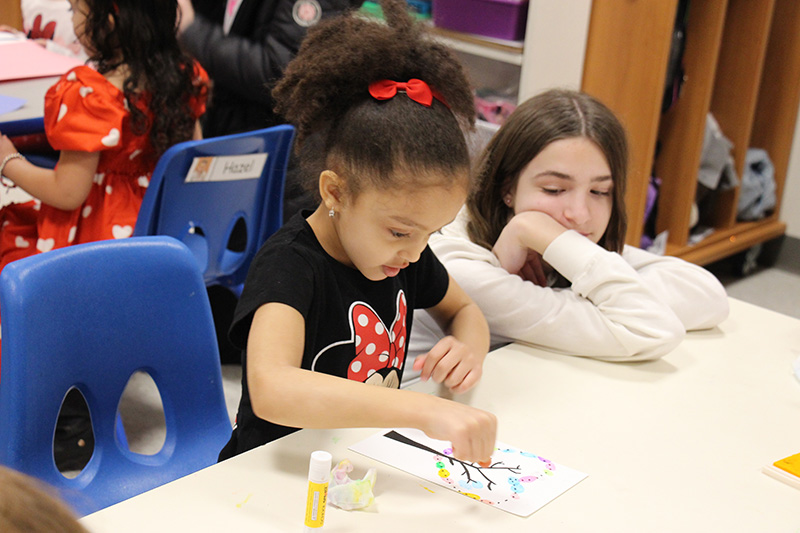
column 742, row 64
column 11, row 13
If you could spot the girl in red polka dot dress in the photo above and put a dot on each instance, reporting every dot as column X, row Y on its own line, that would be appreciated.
column 325, row 313
column 110, row 122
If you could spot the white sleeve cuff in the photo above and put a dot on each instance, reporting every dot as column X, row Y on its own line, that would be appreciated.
column 570, row 254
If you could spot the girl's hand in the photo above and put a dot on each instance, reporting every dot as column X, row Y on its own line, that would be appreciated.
column 471, row 431
column 9, row 29
column 530, row 231
column 533, row 270
column 452, row 363
column 185, row 15
column 6, row 146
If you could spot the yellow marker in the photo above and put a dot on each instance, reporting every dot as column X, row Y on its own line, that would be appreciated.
column 790, row 464
column 319, row 471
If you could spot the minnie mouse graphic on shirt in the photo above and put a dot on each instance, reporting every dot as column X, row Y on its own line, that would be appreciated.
column 379, row 351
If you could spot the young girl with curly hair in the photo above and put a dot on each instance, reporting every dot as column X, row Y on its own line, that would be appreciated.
column 329, row 301
column 110, row 123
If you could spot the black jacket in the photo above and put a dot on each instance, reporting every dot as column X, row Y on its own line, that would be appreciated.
column 245, row 64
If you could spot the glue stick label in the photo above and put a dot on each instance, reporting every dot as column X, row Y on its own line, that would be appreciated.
column 315, row 504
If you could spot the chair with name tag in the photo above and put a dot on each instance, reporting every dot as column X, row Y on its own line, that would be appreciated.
column 222, row 197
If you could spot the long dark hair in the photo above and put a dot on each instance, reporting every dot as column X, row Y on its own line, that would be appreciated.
column 550, row 116
column 386, row 144
column 141, row 34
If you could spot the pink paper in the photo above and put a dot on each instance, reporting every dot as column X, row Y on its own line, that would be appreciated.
column 25, row 59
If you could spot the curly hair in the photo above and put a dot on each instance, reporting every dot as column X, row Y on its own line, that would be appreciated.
column 550, row 116
column 141, row 35
column 384, row 144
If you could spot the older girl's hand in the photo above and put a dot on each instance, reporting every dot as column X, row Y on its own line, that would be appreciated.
column 530, row 231
column 534, row 269
column 6, row 147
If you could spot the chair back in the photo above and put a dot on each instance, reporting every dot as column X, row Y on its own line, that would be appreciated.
column 221, row 216
column 88, row 317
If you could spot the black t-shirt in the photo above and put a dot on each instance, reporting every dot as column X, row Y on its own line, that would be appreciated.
column 355, row 328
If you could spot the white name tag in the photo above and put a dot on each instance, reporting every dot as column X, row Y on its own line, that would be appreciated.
column 226, row 168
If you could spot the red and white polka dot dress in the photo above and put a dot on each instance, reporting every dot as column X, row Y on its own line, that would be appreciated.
column 84, row 112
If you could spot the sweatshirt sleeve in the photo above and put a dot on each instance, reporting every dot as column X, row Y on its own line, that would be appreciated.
column 693, row 293
column 609, row 312
column 242, row 65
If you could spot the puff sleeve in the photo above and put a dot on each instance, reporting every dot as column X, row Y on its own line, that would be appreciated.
column 198, row 102
column 83, row 112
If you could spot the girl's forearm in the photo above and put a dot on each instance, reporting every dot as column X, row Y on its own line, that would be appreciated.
column 302, row 398
column 66, row 187
column 284, row 393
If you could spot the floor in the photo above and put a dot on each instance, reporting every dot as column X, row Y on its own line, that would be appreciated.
column 776, row 288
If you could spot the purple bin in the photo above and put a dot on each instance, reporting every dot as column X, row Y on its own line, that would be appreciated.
column 501, row 19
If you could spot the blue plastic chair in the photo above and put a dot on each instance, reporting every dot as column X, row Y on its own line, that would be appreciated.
column 205, row 214
column 89, row 316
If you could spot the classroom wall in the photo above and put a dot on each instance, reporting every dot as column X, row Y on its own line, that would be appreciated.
column 790, row 208
column 565, row 24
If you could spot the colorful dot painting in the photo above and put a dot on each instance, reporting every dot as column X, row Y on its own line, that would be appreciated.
column 516, row 481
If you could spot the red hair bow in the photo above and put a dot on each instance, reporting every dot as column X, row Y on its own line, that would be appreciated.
column 417, row 90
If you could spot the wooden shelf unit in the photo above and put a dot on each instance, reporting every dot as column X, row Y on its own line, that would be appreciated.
column 742, row 64
column 496, row 49
column 11, row 13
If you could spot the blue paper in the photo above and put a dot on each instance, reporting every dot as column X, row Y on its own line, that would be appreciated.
column 10, row 103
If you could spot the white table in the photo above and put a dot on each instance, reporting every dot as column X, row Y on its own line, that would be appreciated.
column 669, row 445
column 28, row 118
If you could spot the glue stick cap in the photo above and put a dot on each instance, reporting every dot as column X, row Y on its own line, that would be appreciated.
column 319, row 468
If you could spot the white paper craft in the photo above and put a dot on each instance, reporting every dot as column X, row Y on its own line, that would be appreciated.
column 516, row 481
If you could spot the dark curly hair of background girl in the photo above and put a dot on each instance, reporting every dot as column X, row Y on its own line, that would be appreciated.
column 389, row 143
column 141, row 34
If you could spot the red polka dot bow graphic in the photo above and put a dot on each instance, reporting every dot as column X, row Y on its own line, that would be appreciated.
column 377, row 348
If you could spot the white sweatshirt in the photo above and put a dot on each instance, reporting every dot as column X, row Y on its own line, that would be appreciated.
column 628, row 307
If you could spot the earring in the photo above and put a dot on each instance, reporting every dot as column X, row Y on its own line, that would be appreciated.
column 332, row 213
column 507, row 200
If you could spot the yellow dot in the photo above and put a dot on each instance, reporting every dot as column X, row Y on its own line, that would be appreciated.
column 444, row 473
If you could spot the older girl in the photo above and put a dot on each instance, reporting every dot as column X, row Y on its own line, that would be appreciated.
column 540, row 244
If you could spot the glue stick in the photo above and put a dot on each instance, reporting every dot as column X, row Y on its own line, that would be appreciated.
column 319, row 471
